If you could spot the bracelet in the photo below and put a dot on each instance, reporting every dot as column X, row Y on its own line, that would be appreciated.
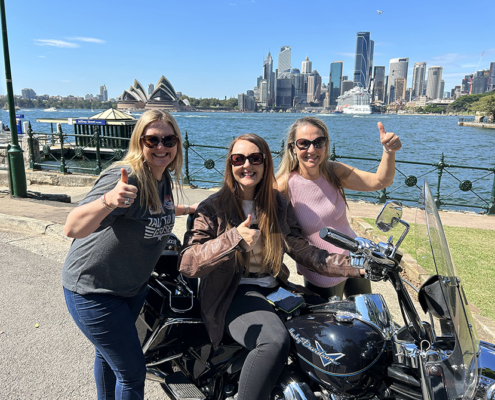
column 105, row 204
column 386, row 151
column 186, row 209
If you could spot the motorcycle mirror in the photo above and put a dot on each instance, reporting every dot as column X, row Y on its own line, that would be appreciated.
column 389, row 216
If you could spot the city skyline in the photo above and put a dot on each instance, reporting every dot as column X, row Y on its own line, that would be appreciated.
column 61, row 55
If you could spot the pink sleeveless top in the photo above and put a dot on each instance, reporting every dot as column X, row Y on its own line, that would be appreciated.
column 317, row 205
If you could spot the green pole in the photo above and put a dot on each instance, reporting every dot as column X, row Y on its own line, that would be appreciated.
column 17, row 172
column 97, row 146
column 441, row 166
column 63, row 168
column 186, row 159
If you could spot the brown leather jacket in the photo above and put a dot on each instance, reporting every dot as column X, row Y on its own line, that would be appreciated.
column 209, row 250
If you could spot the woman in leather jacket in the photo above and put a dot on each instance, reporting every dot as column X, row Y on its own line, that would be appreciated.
column 236, row 246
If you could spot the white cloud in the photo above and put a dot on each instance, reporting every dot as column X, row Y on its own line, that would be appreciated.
column 41, row 56
column 55, row 43
column 65, row 80
column 88, row 39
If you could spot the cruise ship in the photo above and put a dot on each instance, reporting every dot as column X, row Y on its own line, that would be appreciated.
column 354, row 101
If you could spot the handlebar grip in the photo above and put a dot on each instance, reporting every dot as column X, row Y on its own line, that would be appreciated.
column 339, row 239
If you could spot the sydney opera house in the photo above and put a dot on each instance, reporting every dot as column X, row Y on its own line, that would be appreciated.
column 163, row 97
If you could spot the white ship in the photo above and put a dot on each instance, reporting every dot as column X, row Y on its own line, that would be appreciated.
column 354, row 101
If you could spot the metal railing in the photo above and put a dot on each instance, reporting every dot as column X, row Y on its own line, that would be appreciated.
column 54, row 151
column 406, row 187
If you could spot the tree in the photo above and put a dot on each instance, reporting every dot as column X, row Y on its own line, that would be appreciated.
column 485, row 105
column 464, row 102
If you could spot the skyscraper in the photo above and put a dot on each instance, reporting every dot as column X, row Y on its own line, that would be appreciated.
column 442, row 88
column 268, row 76
column 434, row 82
column 480, row 81
column 284, row 62
column 379, row 84
column 103, row 93
column 491, row 78
column 397, row 69
column 419, row 73
column 151, row 89
column 335, row 81
column 306, row 66
column 314, row 87
column 364, row 60
column 400, row 88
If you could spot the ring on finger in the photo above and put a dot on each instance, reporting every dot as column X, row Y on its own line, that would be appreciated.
column 127, row 202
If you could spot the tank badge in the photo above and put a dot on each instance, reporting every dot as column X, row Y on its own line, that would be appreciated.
column 326, row 358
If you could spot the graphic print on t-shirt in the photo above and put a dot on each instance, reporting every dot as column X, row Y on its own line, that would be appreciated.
column 161, row 226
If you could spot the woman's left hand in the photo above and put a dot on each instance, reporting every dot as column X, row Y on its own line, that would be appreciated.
column 390, row 141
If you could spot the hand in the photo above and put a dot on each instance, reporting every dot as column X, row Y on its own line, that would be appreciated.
column 249, row 235
column 390, row 141
column 192, row 208
column 123, row 194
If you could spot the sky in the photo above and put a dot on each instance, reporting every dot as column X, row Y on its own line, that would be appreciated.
column 213, row 48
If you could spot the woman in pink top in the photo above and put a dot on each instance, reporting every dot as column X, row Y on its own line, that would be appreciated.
column 316, row 187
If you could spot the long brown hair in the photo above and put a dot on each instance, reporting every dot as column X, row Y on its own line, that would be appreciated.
column 290, row 162
column 265, row 207
column 148, row 193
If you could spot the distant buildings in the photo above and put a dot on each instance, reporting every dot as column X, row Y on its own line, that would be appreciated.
column 103, row 93
column 346, row 86
column 29, row 94
column 400, row 89
column 434, row 82
column 364, row 60
column 306, row 66
column 151, row 88
column 269, row 77
column 480, row 81
column 245, row 102
column 397, row 69
column 314, row 87
column 335, row 82
column 419, row 73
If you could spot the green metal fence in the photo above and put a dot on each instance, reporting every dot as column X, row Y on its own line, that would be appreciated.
column 406, row 187
column 89, row 152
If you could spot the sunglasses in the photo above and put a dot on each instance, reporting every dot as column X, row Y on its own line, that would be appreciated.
column 254, row 159
column 305, row 144
column 151, row 141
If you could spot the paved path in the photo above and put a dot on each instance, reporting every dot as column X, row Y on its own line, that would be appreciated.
column 54, row 361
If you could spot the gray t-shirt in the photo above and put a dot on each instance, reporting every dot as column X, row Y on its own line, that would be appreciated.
column 120, row 255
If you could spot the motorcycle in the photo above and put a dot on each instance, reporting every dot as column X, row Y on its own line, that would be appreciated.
column 341, row 349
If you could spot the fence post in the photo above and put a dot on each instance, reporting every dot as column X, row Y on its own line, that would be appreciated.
column 333, row 156
column 63, row 168
column 441, row 166
column 186, row 159
column 31, row 146
column 97, row 146
column 491, row 206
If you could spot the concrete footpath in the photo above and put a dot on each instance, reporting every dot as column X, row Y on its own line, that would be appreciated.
column 53, row 359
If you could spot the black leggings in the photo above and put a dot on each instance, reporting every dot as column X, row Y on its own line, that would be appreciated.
column 252, row 322
column 349, row 287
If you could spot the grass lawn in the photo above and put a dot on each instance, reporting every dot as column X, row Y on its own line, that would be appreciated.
column 473, row 253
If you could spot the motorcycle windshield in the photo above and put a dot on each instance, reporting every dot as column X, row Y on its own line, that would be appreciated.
column 458, row 367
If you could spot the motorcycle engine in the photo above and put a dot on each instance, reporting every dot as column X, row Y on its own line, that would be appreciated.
column 344, row 354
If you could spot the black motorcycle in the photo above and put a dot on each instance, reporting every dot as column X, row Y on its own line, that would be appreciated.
column 341, row 349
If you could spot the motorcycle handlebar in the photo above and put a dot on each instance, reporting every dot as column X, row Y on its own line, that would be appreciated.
column 339, row 239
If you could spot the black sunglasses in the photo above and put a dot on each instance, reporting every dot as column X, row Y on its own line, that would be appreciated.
column 151, row 141
column 254, row 159
column 305, row 144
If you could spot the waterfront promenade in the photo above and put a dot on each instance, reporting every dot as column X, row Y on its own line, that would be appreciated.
column 43, row 353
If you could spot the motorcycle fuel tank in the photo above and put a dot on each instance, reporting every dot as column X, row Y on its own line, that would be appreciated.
column 344, row 355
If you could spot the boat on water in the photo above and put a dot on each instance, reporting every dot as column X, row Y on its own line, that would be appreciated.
column 354, row 101
column 50, row 109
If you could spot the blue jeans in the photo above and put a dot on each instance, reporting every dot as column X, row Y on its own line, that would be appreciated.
column 109, row 323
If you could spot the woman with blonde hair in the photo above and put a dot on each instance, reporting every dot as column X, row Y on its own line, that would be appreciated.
column 121, row 228
column 236, row 245
column 316, row 188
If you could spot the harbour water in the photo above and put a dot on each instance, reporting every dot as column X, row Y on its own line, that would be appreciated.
column 424, row 139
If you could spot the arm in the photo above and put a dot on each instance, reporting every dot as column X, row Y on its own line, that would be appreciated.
column 180, row 209
column 313, row 258
column 204, row 250
column 355, row 179
column 85, row 219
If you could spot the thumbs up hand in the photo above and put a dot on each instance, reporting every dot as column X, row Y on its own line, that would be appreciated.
column 123, row 194
column 390, row 141
column 249, row 235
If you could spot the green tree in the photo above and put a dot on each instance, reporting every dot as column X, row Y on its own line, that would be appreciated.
column 485, row 105
column 431, row 108
column 463, row 103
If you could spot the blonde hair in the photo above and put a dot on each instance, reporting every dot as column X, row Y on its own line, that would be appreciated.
column 290, row 162
column 265, row 207
column 147, row 184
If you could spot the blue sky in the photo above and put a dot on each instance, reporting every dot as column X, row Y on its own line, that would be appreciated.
column 214, row 48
